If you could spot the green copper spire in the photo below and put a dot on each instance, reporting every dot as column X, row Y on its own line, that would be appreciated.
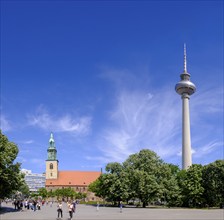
column 51, row 141
column 51, row 151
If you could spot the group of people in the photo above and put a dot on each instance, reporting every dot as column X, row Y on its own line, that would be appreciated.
column 27, row 204
column 71, row 208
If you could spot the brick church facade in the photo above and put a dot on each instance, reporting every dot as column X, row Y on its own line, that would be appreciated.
column 77, row 180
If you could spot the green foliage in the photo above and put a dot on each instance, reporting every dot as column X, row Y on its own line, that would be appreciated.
column 145, row 175
column 191, row 186
column 34, row 195
column 42, row 192
column 97, row 188
column 80, row 195
column 50, row 194
column 171, row 192
column 24, row 189
column 213, row 180
column 10, row 177
column 67, row 193
column 142, row 176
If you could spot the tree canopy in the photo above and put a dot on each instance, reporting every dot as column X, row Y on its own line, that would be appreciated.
column 146, row 178
column 10, row 177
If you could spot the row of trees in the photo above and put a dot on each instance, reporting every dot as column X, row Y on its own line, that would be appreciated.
column 64, row 193
column 145, row 177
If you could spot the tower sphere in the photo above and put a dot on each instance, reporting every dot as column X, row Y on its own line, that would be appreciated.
column 185, row 86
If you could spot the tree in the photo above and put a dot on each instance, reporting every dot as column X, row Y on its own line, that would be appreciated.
column 58, row 193
column 171, row 190
column 50, row 194
column 190, row 182
column 145, row 175
column 42, row 192
column 68, row 193
column 213, row 179
column 117, row 180
column 96, row 187
column 24, row 189
column 113, row 185
column 10, row 177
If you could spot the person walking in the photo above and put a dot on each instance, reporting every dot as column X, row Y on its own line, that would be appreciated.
column 34, row 205
column 60, row 210
column 121, row 206
column 97, row 206
column 74, row 205
column 70, row 210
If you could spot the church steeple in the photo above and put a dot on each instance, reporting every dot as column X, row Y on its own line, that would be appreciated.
column 51, row 151
column 51, row 162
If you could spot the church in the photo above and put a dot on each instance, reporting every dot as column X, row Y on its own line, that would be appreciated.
column 77, row 180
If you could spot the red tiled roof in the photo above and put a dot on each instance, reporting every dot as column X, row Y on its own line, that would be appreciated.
column 73, row 178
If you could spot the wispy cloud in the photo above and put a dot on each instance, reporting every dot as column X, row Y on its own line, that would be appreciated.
column 208, row 148
column 64, row 123
column 26, row 142
column 5, row 124
column 144, row 118
column 141, row 121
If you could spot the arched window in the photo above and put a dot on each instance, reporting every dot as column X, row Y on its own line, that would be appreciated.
column 51, row 166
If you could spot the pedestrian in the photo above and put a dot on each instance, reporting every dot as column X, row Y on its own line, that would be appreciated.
column 121, row 206
column 74, row 205
column 60, row 210
column 38, row 205
column 26, row 204
column 21, row 205
column 15, row 203
column 34, row 205
column 97, row 206
column 70, row 210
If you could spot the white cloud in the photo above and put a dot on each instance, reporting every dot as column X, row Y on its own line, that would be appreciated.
column 140, row 121
column 149, row 119
column 208, row 149
column 65, row 123
column 26, row 142
column 5, row 124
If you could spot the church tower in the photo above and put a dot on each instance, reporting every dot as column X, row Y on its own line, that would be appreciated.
column 51, row 162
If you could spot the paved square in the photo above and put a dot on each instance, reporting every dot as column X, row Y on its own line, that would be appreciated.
column 90, row 212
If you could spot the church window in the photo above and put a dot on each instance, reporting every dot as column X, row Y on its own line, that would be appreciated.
column 51, row 174
column 51, row 166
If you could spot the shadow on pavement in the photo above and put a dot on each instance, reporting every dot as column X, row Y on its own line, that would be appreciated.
column 4, row 210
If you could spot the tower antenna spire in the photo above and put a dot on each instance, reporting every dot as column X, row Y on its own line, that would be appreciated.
column 185, row 59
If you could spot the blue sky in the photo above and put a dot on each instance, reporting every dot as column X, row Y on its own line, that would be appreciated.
column 101, row 75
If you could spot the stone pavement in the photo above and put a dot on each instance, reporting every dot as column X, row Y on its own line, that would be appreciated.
column 107, row 213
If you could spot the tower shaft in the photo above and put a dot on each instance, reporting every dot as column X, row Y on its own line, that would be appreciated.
column 186, row 135
column 185, row 88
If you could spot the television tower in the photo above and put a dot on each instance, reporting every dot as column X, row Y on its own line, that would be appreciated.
column 185, row 88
